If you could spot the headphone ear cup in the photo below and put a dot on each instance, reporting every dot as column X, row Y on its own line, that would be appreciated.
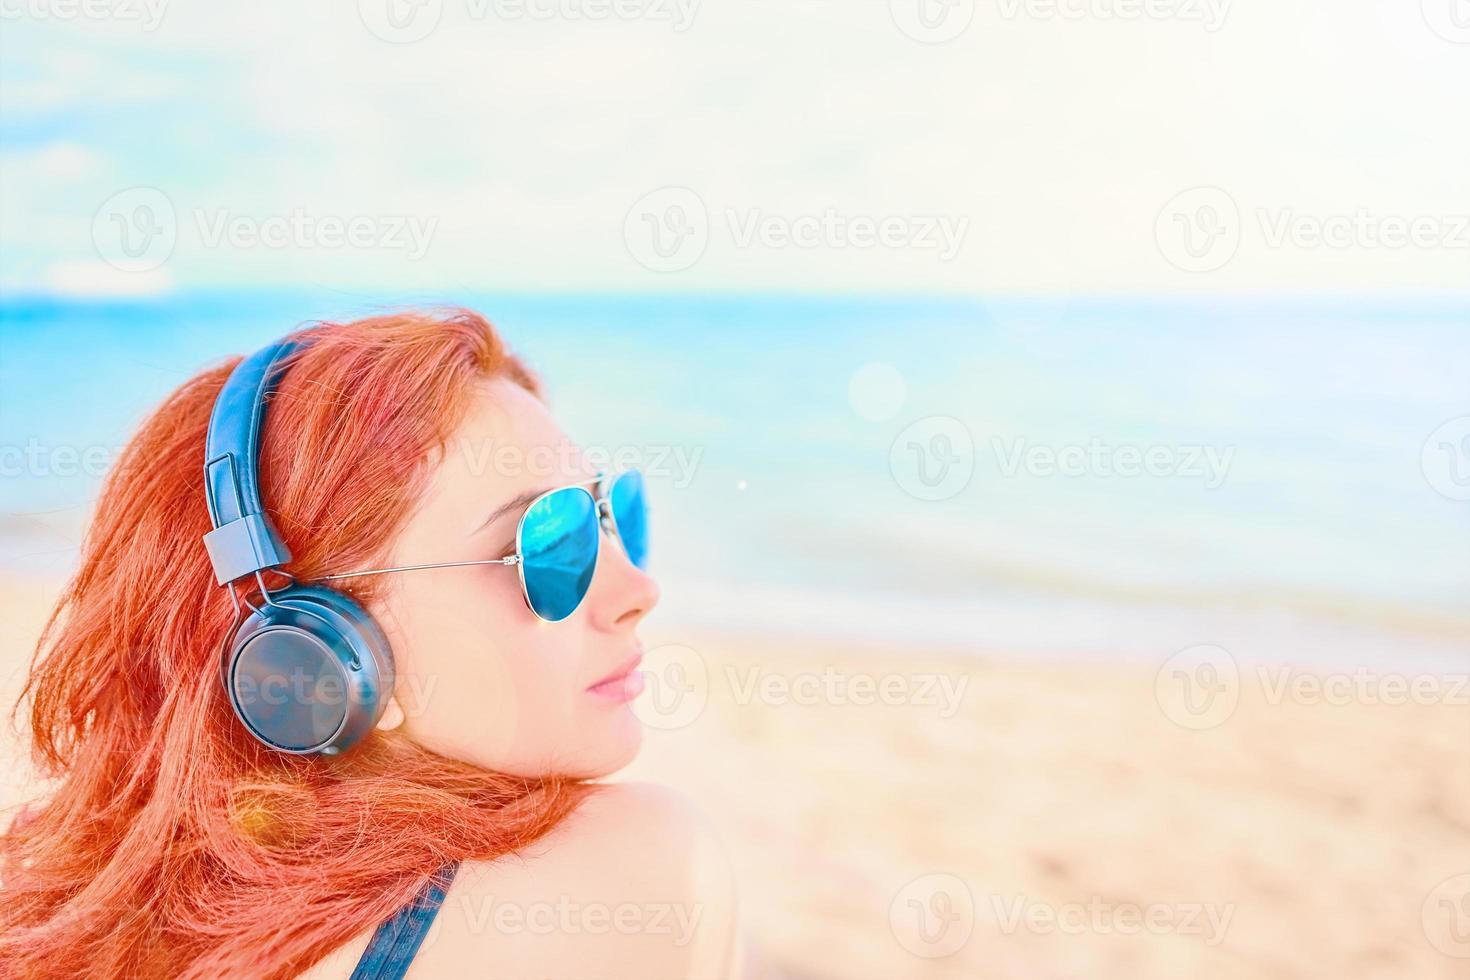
column 309, row 671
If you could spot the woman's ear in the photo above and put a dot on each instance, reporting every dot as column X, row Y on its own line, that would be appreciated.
column 392, row 715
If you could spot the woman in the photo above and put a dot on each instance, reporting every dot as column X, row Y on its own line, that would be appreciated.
column 181, row 841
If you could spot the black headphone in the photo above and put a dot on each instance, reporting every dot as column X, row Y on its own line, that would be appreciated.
column 308, row 670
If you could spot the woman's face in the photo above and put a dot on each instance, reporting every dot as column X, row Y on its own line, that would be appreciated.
column 479, row 677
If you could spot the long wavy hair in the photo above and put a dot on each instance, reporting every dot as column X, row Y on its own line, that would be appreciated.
column 170, row 843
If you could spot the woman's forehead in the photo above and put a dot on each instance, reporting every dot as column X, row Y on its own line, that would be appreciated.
column 508, row 445
column 510, row 433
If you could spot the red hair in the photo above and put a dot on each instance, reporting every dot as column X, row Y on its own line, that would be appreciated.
column 173, row 844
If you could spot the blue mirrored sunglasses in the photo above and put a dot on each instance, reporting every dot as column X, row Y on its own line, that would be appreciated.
column 557, row 541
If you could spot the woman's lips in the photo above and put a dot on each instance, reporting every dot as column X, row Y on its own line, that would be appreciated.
column 623, row 685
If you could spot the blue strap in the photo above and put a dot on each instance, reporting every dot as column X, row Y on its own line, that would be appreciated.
column 397, row 940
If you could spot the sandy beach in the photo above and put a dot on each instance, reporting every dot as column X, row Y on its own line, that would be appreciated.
column 948, row 814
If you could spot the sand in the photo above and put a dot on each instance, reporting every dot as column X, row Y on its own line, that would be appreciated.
column 1047, row 819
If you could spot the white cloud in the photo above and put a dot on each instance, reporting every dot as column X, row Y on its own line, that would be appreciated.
column 60, row 161
column 1059, row 139
column 84, row 278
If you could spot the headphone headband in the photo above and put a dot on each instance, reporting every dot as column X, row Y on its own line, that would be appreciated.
column 243, row 541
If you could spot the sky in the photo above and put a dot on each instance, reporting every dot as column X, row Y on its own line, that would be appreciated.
column 948, row 146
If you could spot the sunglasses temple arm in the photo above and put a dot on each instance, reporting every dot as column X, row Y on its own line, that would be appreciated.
column 507, row 560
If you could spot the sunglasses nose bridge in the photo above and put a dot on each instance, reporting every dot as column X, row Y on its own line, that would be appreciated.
column 610, row 525
column 605, row 514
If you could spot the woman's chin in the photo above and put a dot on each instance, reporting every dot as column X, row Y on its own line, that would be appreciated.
column 621, row 738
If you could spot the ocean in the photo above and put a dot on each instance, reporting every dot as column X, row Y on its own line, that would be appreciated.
column 1084, row 477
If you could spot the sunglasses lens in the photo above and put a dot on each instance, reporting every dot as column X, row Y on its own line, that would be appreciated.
column 630, row 513
column 559, row 538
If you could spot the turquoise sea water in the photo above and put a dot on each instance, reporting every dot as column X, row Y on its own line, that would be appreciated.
column 1322, row 531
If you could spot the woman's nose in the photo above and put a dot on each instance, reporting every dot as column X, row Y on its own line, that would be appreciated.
column 622, row 593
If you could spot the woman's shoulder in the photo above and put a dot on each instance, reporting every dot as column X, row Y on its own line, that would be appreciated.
column 633, row 883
